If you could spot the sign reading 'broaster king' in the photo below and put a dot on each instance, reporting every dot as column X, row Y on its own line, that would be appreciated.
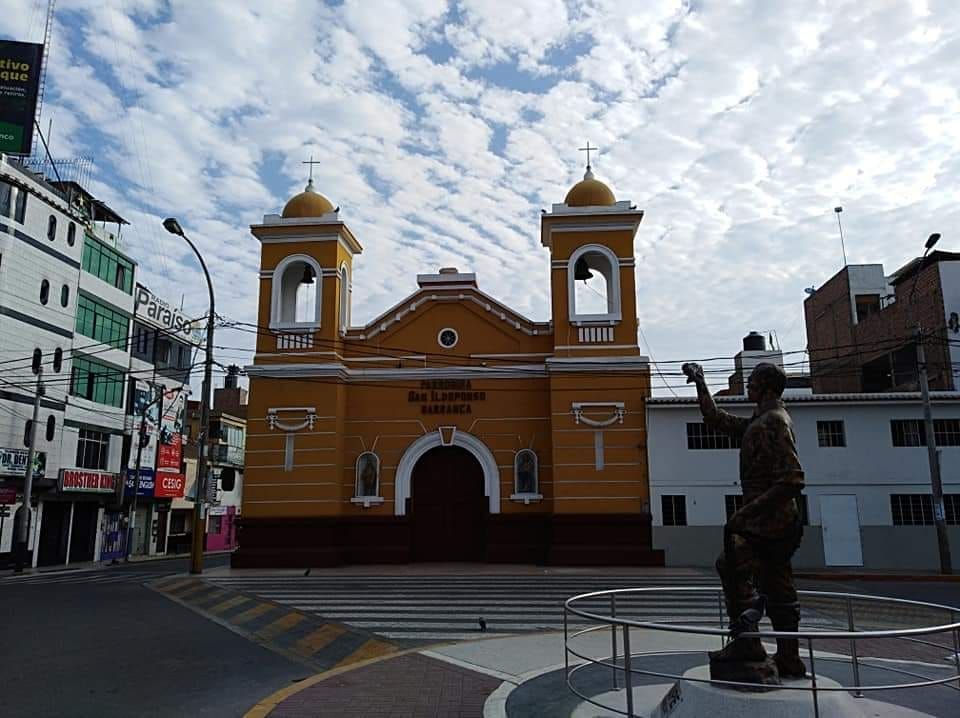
column 91, row 482
column 446, row 396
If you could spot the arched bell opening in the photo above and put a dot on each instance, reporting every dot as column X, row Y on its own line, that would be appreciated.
column 594, row 284
column 297, row 295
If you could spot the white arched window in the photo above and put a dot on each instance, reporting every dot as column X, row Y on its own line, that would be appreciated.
column 593, row 284
column 296, row 295
column 344, row 298
column 526, row 474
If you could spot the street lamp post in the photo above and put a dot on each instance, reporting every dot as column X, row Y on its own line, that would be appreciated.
column 936, row 484
column 196, row 549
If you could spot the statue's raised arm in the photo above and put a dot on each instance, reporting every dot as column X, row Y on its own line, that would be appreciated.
column 715, row 417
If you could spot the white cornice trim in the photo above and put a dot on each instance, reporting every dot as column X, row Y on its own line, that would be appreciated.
column 597, row 364
column 348, row 374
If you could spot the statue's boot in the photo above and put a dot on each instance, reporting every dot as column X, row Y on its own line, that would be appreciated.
column 744, row 649
column 786, row 617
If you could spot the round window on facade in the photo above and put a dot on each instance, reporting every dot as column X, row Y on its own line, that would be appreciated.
column 51, row 427
column 72, row 234
column 44, row 291
column 52, row 228
column 57, row 359
column 448, row 338
column 64, row 295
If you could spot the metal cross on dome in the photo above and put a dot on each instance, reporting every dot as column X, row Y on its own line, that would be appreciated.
column 588, row 149
column 312, row 163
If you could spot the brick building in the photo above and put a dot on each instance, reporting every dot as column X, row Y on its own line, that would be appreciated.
column 860, row 326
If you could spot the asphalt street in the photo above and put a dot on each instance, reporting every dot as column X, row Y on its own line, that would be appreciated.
column 99, row 643
column 89, row 648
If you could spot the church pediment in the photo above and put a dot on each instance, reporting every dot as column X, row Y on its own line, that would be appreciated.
column 474, row 323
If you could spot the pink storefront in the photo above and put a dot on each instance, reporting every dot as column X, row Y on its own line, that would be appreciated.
column 221, row 528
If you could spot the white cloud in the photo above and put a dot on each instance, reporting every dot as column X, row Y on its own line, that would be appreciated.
column 442, row 129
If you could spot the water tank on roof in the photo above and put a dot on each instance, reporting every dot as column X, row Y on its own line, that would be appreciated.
column 754, row 342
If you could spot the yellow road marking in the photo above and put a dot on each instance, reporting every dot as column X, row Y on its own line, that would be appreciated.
column 226, row 605
column 313, row 642
column 285, row 623
column 251, row 613
column 197, row 588
column 371, row 649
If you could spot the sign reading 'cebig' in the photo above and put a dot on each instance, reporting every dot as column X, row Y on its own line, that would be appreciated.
column 92, row 482
column 169, row 485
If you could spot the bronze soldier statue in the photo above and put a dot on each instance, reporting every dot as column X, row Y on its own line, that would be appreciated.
column 762, row 536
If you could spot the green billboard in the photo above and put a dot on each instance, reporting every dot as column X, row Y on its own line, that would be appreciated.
column 19, row 84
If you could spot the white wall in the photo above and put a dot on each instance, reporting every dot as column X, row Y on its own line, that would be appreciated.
column 869, row 466
column 950, row 283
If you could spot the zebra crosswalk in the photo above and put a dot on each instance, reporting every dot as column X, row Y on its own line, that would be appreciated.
column 451, row 607
column 86, row 577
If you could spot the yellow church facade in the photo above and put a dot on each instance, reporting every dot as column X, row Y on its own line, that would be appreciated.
column 449, row 428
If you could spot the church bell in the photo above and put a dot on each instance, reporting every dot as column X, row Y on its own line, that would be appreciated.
column 581, row 270
column 307, row 275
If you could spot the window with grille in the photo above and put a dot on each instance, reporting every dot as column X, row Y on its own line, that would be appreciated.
column 831, row 433
column 20, row 212
column 701, row 436
column 674, row 510
column 732, row 504
column 917, row 509
column 911, row 432
column 97, row 381
column 93, row 449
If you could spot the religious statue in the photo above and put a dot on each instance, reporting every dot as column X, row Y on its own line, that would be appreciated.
column 368, row 476
column 761, row 537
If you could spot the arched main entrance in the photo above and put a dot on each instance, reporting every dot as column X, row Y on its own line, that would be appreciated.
column 448, row 506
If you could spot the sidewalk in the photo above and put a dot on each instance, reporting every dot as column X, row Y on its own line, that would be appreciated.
column 524, row 677
column 85, row 566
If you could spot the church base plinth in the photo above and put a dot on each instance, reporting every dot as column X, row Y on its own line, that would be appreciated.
column 558, row 540
column 693, row 699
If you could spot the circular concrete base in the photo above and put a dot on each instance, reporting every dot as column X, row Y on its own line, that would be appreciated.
column 692, row 699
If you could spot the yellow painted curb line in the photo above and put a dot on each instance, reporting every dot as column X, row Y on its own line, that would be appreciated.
column 266, row 705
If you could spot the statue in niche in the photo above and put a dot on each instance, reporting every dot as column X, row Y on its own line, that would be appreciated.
column 761, row 537
column 367, row 475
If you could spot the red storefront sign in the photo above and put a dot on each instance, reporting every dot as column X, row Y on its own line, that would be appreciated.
column 91, row 482
column 8, row 494
column 169, row 485
column 169, row 454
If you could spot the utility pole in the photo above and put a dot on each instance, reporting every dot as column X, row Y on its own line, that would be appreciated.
column 936, row 486
column 23, row 532
column 131, row 520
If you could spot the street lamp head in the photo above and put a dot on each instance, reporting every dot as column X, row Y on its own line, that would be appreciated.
column 172, row 226
column 932, row 240
column 838, row 210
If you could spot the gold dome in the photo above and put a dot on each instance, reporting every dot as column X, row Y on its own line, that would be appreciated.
column 308, row 203
column 590, row 192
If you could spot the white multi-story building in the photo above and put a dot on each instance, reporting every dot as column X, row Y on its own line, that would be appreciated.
column 867, row 500
column 163, row 348
column 66, row 295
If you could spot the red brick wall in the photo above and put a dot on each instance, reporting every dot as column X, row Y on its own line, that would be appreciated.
column 838, row 348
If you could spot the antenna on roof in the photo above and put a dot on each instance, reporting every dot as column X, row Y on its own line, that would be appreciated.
column 843, row 249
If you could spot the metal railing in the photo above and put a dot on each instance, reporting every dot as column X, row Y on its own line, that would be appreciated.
column 624, row 663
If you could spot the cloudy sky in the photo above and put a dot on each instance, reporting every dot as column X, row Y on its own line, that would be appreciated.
column 442, row 127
